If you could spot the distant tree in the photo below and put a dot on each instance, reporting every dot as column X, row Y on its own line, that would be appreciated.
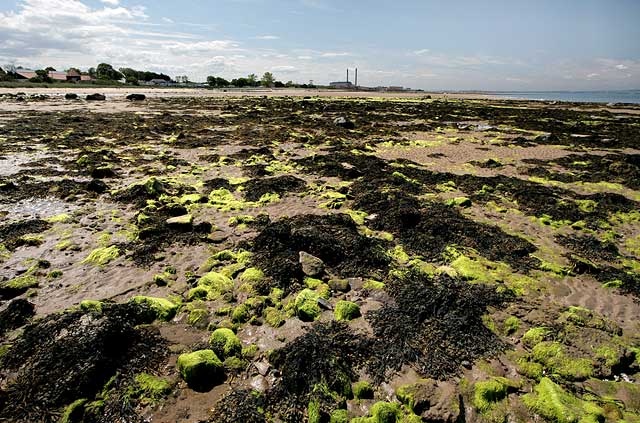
column 253, row 80
column 92, row 72
column 132, row 80
column 74, row 70
column 42, row 75
column 289, row 84
column 106, row 72
column 217, row 82
column 241, row 82
column 267, row 79
column 278, row 84
column 50, row 69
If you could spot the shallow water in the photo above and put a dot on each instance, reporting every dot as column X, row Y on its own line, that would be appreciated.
column 36, row 208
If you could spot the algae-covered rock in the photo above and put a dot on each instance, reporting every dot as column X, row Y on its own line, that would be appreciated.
column 202, row 369
column 487, row 393
column 346, row 310
column 91, row 305
column 362, row 390
column 306, row 305
column 252, row 275
column 225, row 343
column 74, row 413
column 102, row 256
column 274, row 317
column 341, row 285
column 385, row 412
column 339, row 416
column 163, row 308
column 555, row 404
column 218, row 282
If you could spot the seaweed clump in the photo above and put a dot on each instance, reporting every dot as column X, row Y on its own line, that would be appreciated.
column 332, row 238
column 256, row 188
column 81, row 351
column 434, row 325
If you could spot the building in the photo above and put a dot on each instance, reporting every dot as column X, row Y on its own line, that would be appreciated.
column 71, row 76
column 341, row 84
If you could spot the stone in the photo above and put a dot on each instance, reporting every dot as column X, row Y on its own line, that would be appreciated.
column 262, row 367
column 324, row 304
column 341, row 285
column 344, row 123
column 184, row 220
column 347, row 310
column 225, row 343
column 311, row 265
column 96, row 97
column 136, row 97
column 71, row 96
column 202, row 369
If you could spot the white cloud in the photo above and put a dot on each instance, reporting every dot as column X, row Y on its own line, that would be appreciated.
column 267, row 37
column 622, row 67
column 335, row 54
column 421, row 52
column 111, row 2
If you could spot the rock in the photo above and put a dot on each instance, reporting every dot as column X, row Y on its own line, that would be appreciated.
column 103, row 172
column 71, row 96
column 260, row 384
column 136, row 97
column 161, row 307
column 225, row 343
column 262, row 367
column 344, row 123
column 217, row 237
column 96, row 97
column 432, row 400
column 341, row 285
column 97, row 186
column 347, row 310
column 16, row 314
column 184, row 220
column 311, row 265
column 202, row 370
column 324, row 303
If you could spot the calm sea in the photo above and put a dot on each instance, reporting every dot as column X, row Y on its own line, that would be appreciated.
column 630, row 96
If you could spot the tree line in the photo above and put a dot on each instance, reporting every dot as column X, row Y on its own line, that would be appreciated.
column 251, row 80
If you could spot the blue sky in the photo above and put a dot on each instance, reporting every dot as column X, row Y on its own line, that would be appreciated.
column 443, row 45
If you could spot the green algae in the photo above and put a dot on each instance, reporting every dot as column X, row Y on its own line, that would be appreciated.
column 555, row 404
column 306, row 305
column 346, row 310
column 163, row 308
column 102, row 256
column 200, row 369
column 362, row 390
column 225, row 343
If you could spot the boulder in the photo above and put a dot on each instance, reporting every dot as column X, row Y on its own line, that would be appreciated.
column 341, row 285
column 71, row 96
column 184, row 220
column 344, row 123
column 202, row 369
column 96, row 97
column 311, row 265
column 136, row 97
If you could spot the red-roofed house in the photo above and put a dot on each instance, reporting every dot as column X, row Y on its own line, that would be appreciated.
column 71, row 76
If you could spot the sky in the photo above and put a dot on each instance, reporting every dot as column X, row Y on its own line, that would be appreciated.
column 429, row 44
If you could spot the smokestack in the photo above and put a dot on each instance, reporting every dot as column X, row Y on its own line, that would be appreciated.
column 347, row 74
column 356, row 77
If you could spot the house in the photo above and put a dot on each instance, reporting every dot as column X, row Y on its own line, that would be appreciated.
column 71, row 76
column 74, row 76
column 57, row 76
column 25, row 74
column 341, row 84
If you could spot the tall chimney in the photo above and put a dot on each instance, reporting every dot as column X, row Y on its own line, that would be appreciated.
column 347, row 74
column 356, row 77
